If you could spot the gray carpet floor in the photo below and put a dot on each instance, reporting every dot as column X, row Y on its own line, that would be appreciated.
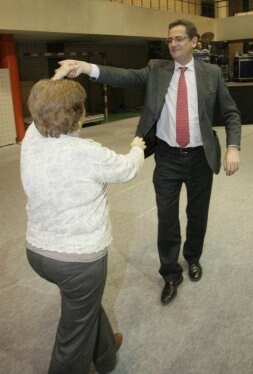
column 207, row 329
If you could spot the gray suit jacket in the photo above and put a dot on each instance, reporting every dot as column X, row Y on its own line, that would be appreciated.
column 213, row 100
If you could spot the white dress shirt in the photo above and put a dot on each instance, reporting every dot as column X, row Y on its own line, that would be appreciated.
column 166, row 126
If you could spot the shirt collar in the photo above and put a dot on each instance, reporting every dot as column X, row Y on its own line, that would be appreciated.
column 190, row 65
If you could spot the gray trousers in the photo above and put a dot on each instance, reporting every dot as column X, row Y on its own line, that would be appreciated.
column 84, row 333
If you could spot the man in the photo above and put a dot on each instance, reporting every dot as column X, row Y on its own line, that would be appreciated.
column 192, row 161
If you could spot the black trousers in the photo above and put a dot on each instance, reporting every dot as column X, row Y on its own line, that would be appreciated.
column 173, row 168
column 84, row 333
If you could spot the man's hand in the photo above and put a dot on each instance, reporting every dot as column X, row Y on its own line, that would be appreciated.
column 231, row 160
column 71, row 69
column 139, row 142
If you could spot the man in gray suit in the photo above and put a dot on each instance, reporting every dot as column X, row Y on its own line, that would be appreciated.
column 193, row 163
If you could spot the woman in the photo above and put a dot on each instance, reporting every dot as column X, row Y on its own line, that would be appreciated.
column 68, row 231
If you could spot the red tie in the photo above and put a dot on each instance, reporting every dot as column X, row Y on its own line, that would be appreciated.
column 182, row 117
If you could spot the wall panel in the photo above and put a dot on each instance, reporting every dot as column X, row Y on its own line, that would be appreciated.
column 7, row 121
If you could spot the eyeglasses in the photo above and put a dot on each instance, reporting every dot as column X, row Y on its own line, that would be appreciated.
column 177, row 39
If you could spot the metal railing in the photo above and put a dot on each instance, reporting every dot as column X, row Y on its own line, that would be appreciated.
column 193, row 7
column 167, row 5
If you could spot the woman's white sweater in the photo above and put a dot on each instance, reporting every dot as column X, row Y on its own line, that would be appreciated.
column 65, row 180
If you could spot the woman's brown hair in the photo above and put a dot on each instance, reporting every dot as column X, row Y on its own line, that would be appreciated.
column 57, row 106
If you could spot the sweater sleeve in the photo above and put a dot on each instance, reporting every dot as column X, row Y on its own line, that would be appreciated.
column 117, row 168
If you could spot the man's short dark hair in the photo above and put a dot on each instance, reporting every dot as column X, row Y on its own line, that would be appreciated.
column 190, row 27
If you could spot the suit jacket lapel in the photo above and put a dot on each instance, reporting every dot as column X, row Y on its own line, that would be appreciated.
column 164, row 77
column 201, row 80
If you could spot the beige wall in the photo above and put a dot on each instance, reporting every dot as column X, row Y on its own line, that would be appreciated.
column 103, row 17
column 90, row 17
column 234, row 28
column 221, row 9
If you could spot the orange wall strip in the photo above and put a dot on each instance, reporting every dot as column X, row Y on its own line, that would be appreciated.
column 8, row 59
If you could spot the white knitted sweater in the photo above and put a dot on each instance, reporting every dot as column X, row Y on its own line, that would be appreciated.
column 65, row 180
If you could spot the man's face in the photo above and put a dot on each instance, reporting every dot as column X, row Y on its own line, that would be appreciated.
column 180, row 45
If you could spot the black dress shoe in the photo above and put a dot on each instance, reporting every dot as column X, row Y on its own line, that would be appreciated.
column 169, row 291
column 195, row 272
